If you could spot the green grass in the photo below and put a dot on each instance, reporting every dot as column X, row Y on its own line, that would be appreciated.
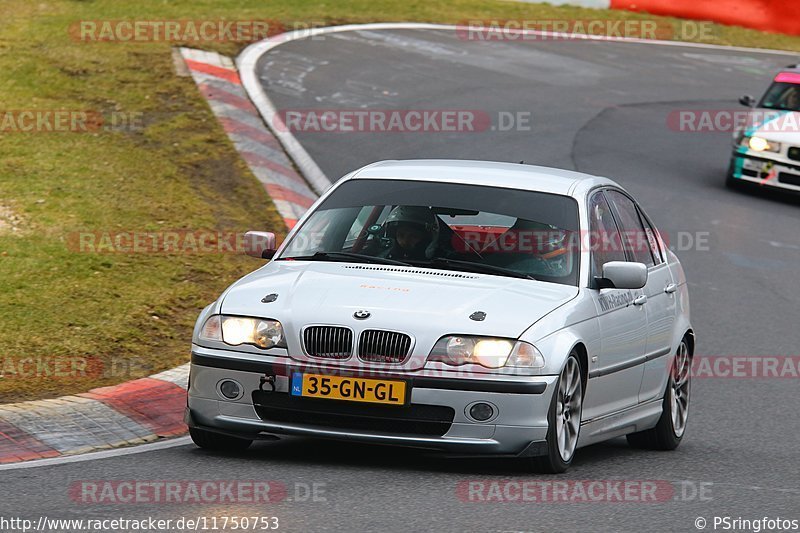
column 128, row 315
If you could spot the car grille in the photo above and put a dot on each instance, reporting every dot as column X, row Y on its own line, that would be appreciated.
column 328, row 342
column 413, row 419
column 376, row 346
column 791, row 179
column 794, row 153
column 751, row 173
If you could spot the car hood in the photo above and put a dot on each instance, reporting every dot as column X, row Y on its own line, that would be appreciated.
column 778, row 126
column 425, row 303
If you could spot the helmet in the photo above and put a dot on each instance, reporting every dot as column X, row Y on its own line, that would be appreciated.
column 419, row 216
column 413, row 214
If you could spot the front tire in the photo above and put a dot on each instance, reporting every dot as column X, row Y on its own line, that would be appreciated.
column 209, row 440
column 563, row 420
column 671, row 426
column 731, row 181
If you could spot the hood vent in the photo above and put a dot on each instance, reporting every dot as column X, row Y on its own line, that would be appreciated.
column 404, row 270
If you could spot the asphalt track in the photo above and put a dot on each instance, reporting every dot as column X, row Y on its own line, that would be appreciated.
column 598, row 107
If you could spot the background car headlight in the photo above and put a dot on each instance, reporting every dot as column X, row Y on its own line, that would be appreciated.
column 236, row 330
column 457, row 350
column 759, row 144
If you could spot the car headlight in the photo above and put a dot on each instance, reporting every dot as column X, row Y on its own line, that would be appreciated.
column 760, row 144
column 236, row 330
column 457, row 350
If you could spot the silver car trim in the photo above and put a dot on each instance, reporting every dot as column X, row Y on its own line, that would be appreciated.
column 627, row 410
column 629, row 364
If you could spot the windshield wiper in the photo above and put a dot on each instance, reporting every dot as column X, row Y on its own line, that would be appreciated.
column 348, row 255
column 474, row 267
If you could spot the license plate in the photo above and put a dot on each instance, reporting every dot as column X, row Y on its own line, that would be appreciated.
column 349, row 388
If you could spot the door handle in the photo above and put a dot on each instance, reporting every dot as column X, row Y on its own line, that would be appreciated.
column 640, row 300
column 669, row 289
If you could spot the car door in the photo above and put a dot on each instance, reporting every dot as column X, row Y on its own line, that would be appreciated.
column 639, row 237
column 615, row 373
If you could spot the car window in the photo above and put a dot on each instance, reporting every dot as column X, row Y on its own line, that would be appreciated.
column 782, row 96
column 633, row 233
column 652, row 240
column 605, row 240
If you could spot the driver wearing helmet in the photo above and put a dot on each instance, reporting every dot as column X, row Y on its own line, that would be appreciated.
column 413, row 232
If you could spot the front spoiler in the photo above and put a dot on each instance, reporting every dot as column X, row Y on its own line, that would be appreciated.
column 447, row 447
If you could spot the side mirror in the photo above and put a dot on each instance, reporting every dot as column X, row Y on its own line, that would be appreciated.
column 623, row 275
column 260, row 244
column 747, row 100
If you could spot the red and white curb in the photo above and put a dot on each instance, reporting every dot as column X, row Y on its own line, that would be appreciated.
column 135, row 412
column 218, row 80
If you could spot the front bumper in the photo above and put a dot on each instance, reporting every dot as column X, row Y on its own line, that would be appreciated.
column 766, row 171
column 519, row 426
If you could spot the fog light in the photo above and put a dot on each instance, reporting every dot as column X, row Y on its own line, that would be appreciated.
column 230, row 389
column 481, row 412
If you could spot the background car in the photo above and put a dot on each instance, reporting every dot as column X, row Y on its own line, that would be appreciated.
column 767, row 150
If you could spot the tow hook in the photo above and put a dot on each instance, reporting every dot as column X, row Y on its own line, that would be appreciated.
column 268, row 380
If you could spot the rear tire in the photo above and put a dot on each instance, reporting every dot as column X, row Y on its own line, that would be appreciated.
column 563, row 420
column 671, row 426
column 209, row 440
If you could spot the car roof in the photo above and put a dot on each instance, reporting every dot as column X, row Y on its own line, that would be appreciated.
column 789, row 72
column 495, row 174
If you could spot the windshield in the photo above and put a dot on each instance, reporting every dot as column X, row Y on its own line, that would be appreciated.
column 782, row 96
column 504, row 232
